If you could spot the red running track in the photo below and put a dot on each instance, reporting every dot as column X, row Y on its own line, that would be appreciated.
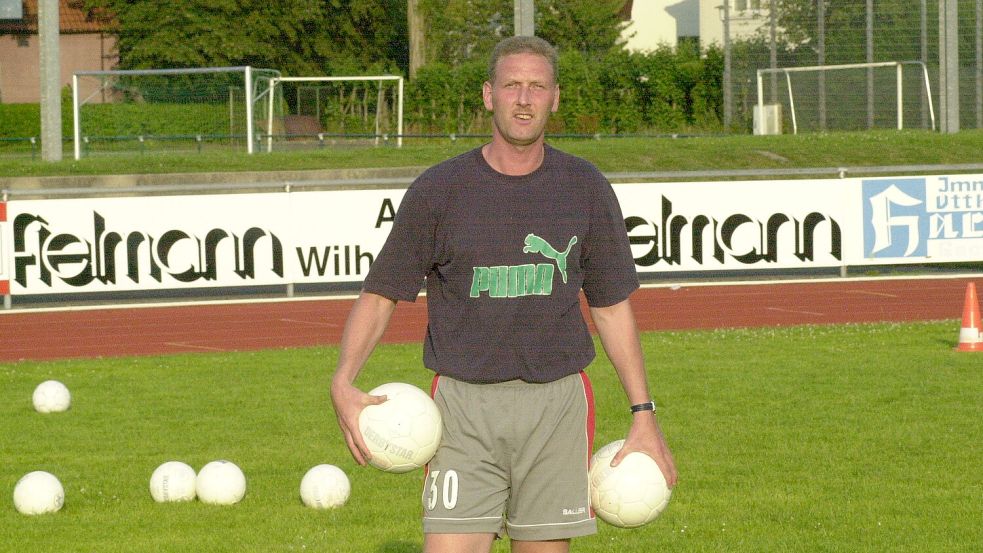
column 154, row 330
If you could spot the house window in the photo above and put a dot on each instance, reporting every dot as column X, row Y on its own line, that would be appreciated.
column 745, row 5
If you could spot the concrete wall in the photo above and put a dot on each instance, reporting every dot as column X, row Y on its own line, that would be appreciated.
column 20, row 80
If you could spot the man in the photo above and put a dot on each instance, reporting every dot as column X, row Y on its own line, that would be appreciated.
column 505, row 237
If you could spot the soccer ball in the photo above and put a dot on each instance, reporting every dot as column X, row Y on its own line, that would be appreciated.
column 220, row 483
column 37, row 493
column 51, row 396
column 631, row 494
column 403, row 433
column 173, row 481
column 325, row 487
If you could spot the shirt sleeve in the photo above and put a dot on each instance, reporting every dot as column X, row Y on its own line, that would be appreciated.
column 399, row 271
column 609, row 268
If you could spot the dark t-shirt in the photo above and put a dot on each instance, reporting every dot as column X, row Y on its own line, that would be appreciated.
column 504, row 259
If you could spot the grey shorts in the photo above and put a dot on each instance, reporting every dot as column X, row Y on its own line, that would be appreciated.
column 513, row 459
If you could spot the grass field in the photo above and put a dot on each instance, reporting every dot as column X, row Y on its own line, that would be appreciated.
column 813, row 438
column 609, row 154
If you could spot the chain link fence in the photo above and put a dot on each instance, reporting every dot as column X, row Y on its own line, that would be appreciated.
column 807, row 65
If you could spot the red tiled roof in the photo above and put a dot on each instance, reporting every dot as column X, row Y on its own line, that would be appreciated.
column 72, row 14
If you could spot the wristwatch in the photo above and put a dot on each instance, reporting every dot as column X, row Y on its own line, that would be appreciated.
column 647, row 406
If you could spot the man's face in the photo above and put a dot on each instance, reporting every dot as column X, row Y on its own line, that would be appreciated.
column 522, row 97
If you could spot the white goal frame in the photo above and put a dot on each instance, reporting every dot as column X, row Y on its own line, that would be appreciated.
column 898, row 65
column 247, row 70
column 399, row 95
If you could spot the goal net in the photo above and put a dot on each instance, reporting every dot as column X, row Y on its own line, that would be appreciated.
column 172, row 109
column 849, row 97
column 364, row 109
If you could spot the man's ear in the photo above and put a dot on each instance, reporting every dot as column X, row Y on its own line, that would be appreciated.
column 486, row 95
column 556, row 99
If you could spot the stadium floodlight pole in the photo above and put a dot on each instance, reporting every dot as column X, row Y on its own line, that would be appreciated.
column 50, row 68
column 525, row 18
column 949, row 66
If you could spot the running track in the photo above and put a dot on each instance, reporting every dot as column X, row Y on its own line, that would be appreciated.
column 202, row 327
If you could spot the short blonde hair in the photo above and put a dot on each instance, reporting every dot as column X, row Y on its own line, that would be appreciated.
column 523, row 45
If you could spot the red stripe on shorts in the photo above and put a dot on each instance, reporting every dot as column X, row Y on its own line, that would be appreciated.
column 589, row 395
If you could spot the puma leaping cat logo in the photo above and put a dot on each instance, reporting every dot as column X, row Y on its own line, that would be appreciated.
column 535, row 244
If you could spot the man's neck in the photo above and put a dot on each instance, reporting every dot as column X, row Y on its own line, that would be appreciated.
column 513, row 160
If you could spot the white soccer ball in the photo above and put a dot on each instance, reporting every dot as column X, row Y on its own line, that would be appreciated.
column 173, row 481
column 220, row 483
column 37, row 493
column 631, row 494
column 402, row 433
column 51, row 396
column 325, row 487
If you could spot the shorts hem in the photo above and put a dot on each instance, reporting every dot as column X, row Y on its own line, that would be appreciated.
column 463, row 526
column 552, row 531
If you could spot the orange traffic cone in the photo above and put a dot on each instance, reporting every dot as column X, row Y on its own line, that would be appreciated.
column 971, row 335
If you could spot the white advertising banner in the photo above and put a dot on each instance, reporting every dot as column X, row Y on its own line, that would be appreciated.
column 166, row 242
column 171, row 242
column 723, row 226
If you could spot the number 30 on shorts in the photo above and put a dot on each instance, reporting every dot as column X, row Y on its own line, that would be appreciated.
column 448, row 491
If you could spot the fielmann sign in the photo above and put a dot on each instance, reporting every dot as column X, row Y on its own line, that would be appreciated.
column 169, row 242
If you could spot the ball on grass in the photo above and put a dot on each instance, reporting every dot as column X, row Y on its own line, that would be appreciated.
column 325, row 487
column 37, row 493
column 220, row 483
column 173, row 481
column 51, row 396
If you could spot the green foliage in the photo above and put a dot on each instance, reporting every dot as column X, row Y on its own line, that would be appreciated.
column 158, row 119
column 297, row 37
column 20, row 120
column 589, row 27
column 610, row 92
column 447, row 99
column 463, row 30
column 897, row 26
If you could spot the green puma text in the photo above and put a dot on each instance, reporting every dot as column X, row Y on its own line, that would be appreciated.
column 513, row 281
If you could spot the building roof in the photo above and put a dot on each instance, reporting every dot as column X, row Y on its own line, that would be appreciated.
column 73, row 18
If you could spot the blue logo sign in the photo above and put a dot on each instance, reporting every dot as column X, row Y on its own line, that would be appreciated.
column 895, row 218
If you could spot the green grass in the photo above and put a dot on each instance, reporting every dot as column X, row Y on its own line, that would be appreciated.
column 814, row 438
column 610, row 154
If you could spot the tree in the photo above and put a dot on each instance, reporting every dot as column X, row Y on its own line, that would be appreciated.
column 462, row 30
column 298, row 37
column 591, row 27
column 897, row 28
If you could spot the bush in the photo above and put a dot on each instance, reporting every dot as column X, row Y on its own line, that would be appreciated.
column 20, row 120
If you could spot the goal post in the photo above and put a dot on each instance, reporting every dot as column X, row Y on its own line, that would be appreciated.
column 278, row 81
column 860, row 77
column 169, row 104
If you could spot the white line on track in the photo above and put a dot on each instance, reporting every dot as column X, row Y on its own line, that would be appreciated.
column 309, row 323
column 872, row 293
column 187, row 345
column 782, row 310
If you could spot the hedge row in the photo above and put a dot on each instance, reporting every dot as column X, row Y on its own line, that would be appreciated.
column 666, row 90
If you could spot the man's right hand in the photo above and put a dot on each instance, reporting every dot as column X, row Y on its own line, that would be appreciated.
column 348, row 402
